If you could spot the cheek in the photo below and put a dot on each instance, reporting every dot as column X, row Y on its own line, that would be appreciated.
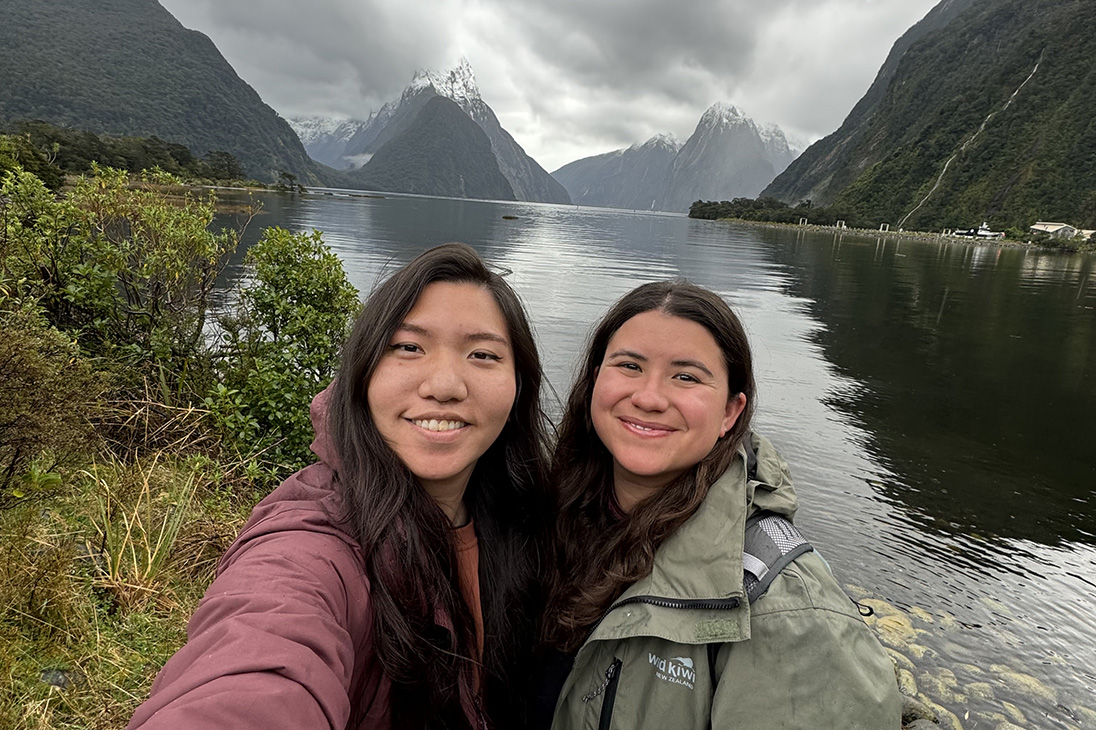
column 503, row 393
column 601, row 403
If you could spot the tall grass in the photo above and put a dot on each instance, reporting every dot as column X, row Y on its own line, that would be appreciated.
column 141, row 509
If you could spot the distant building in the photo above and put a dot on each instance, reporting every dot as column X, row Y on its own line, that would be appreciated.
column 1055, row 230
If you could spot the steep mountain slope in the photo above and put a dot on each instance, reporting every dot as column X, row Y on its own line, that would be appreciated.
column 441, row 151
column 727, row 156
column 632, row 178
column 724, row 158
column 528, row 179
column 325, row 139
column 127, row 67
column 984, row 111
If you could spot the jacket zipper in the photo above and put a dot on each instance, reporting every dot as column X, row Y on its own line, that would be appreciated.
column 712, row 604
column 612, row 675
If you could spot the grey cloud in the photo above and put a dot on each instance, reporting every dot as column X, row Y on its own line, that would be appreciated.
column 568, row 78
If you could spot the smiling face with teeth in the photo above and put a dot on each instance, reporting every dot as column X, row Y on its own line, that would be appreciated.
column 443, row 390
column 660, row 401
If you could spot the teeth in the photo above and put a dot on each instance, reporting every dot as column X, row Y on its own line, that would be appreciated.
column 435, row 425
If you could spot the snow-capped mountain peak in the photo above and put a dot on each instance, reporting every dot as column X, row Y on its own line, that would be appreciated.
column 458, row 83
column 663, row 141
column 773, row 137
column 313, row 129
column 723, row 116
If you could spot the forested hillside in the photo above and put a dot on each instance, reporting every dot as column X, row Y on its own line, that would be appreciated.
column 127, row 67
column 984, row 111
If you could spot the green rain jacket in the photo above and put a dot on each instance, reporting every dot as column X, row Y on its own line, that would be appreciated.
column 799, row 657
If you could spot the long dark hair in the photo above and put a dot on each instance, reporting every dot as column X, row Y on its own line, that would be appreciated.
column 424, row 632
column 598, row 556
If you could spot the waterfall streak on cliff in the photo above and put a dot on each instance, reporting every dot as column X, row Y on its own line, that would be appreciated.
column 970, row 141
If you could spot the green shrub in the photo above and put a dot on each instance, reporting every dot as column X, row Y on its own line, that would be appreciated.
column 281, row 346
column 48, row 398
column 125, row 270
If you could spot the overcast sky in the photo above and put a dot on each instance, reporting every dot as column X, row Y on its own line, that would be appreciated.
column 567, row 78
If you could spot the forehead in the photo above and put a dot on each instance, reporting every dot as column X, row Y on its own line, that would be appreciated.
column 445, row 305
column 657, row 335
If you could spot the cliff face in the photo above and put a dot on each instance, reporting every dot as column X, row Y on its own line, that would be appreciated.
column 441, row 151
column 983, row 112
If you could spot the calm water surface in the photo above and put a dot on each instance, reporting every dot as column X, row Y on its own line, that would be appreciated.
column 937, row 404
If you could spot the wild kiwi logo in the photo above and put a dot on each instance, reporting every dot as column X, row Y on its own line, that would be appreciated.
column 678, row 670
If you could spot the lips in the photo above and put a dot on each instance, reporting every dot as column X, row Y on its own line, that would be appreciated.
column 646, row 428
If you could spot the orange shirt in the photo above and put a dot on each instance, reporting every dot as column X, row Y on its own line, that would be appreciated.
column 467, row 548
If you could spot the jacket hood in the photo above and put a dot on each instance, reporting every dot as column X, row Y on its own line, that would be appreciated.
column 322, row 445
column 702, row 560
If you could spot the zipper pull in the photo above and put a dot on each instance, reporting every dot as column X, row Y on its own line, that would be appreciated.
column 609, row 674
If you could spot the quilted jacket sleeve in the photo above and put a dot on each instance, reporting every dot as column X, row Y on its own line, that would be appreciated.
column 271, row 644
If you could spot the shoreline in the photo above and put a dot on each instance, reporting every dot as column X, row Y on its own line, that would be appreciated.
column 922, row 236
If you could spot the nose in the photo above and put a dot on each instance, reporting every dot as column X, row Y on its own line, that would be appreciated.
column 444, row 381
column 648, row 396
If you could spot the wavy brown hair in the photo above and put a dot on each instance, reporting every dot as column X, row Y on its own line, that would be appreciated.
column 423, row 631
column 597, row 556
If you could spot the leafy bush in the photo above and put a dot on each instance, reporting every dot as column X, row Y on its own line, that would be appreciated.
column 124, row 269
column 281, row 346
column 50, row 396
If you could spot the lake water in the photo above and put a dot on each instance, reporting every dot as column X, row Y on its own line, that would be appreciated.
column 936, row 403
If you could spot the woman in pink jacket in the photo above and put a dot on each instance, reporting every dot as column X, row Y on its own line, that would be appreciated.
column 394, row 582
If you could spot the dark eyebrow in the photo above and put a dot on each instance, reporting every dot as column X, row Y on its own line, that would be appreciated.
column 693, row 364
column 488, row 336
column 470, row 337
column 627, row 353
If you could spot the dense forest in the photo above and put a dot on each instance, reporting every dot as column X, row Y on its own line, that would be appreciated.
column 51, row 152
column 129, row 68
column 985, row 113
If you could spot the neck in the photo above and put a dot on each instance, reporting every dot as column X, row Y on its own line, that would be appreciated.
column 631, row 489
column 451, row 500
column 629, row 493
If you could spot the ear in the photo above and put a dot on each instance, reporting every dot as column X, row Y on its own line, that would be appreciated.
column 735, row 406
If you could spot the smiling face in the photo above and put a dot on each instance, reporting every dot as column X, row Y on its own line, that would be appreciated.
column 660, row 401
column 443, row 390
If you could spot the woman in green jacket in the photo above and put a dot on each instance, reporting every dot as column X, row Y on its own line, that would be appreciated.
column 648, row 600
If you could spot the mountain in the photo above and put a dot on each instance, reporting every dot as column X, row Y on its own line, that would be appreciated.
column 528, row 179
column 441, row 151
column 633, row 178
column 324, row 138
column 727, row 156
column 982, row 112
column 128, row 67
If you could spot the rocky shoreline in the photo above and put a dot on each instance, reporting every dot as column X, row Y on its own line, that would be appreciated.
column 989, row 697
column 907, row 235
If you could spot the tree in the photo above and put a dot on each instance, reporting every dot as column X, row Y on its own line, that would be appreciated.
column 224, row 166
column 282, row 345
